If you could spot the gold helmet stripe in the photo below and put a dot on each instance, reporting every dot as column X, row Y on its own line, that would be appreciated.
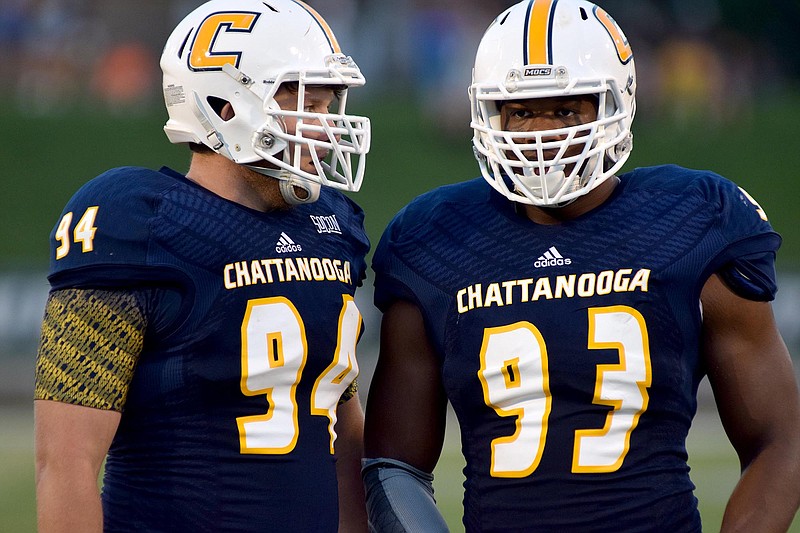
column 322, row 24
column 624, row 51
column 538, row 27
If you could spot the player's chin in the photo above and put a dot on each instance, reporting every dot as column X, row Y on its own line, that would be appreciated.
column 308, row 166
column 307, row 163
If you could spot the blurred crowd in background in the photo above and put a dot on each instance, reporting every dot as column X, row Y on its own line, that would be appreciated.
column 709, row 56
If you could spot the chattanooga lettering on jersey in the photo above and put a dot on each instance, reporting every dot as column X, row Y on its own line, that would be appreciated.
column 549, row 288
column 285, row 269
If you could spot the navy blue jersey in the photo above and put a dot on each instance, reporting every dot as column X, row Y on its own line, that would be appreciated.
column 570, row 353
column 228, row 424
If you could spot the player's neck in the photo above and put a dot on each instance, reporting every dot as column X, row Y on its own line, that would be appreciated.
column 556, row 215
column 236, row 183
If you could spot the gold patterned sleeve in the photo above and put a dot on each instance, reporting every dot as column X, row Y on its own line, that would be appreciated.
column 90, row 342
column 349, row 392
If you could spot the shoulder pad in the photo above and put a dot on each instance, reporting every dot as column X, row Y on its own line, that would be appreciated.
column 105, row 225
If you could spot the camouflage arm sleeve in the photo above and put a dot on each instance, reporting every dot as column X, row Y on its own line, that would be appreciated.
column 90, row 342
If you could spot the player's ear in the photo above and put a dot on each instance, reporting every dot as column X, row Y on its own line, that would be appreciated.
column 227, row 113
column 222, row 108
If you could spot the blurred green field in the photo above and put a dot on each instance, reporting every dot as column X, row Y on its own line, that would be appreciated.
column 45, row 159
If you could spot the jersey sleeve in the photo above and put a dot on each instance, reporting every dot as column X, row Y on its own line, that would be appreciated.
column 102, row 238
column 747, row 262
column 387, row 264
column 411, row 263
column 360, row 241
column 406, row 269
column 91, row 340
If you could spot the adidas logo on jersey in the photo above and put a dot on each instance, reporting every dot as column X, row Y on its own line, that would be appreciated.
column 552, row 258
column 286, row 244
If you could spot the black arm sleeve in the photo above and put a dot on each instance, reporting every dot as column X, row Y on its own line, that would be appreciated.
column 400, row 498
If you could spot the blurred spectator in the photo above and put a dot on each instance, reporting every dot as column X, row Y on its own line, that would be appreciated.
column 691, row 78
column 15, row 22
column 56, row 53
column 59, row 50
column 442, row 47
column 442, row 37
column 124, row 78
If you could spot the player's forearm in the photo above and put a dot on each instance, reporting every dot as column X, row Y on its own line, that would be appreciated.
column 352, row 506
column 767, row 496
column 71, row 442
column 352, row 514
column 67, row 503
column 349, row 451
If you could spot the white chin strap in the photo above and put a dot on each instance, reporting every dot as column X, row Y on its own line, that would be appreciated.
column 290, row 184
column 289, row 188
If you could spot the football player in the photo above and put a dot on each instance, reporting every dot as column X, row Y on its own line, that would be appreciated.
column 569, row 312
column 201, row 330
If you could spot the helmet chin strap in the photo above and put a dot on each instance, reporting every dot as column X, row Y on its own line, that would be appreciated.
column 289, row 185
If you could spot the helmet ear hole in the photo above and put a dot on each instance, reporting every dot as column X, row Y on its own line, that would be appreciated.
column 221, row 107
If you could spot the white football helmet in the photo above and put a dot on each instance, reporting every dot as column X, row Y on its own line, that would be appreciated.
column 240, row 52
column 549, row 48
